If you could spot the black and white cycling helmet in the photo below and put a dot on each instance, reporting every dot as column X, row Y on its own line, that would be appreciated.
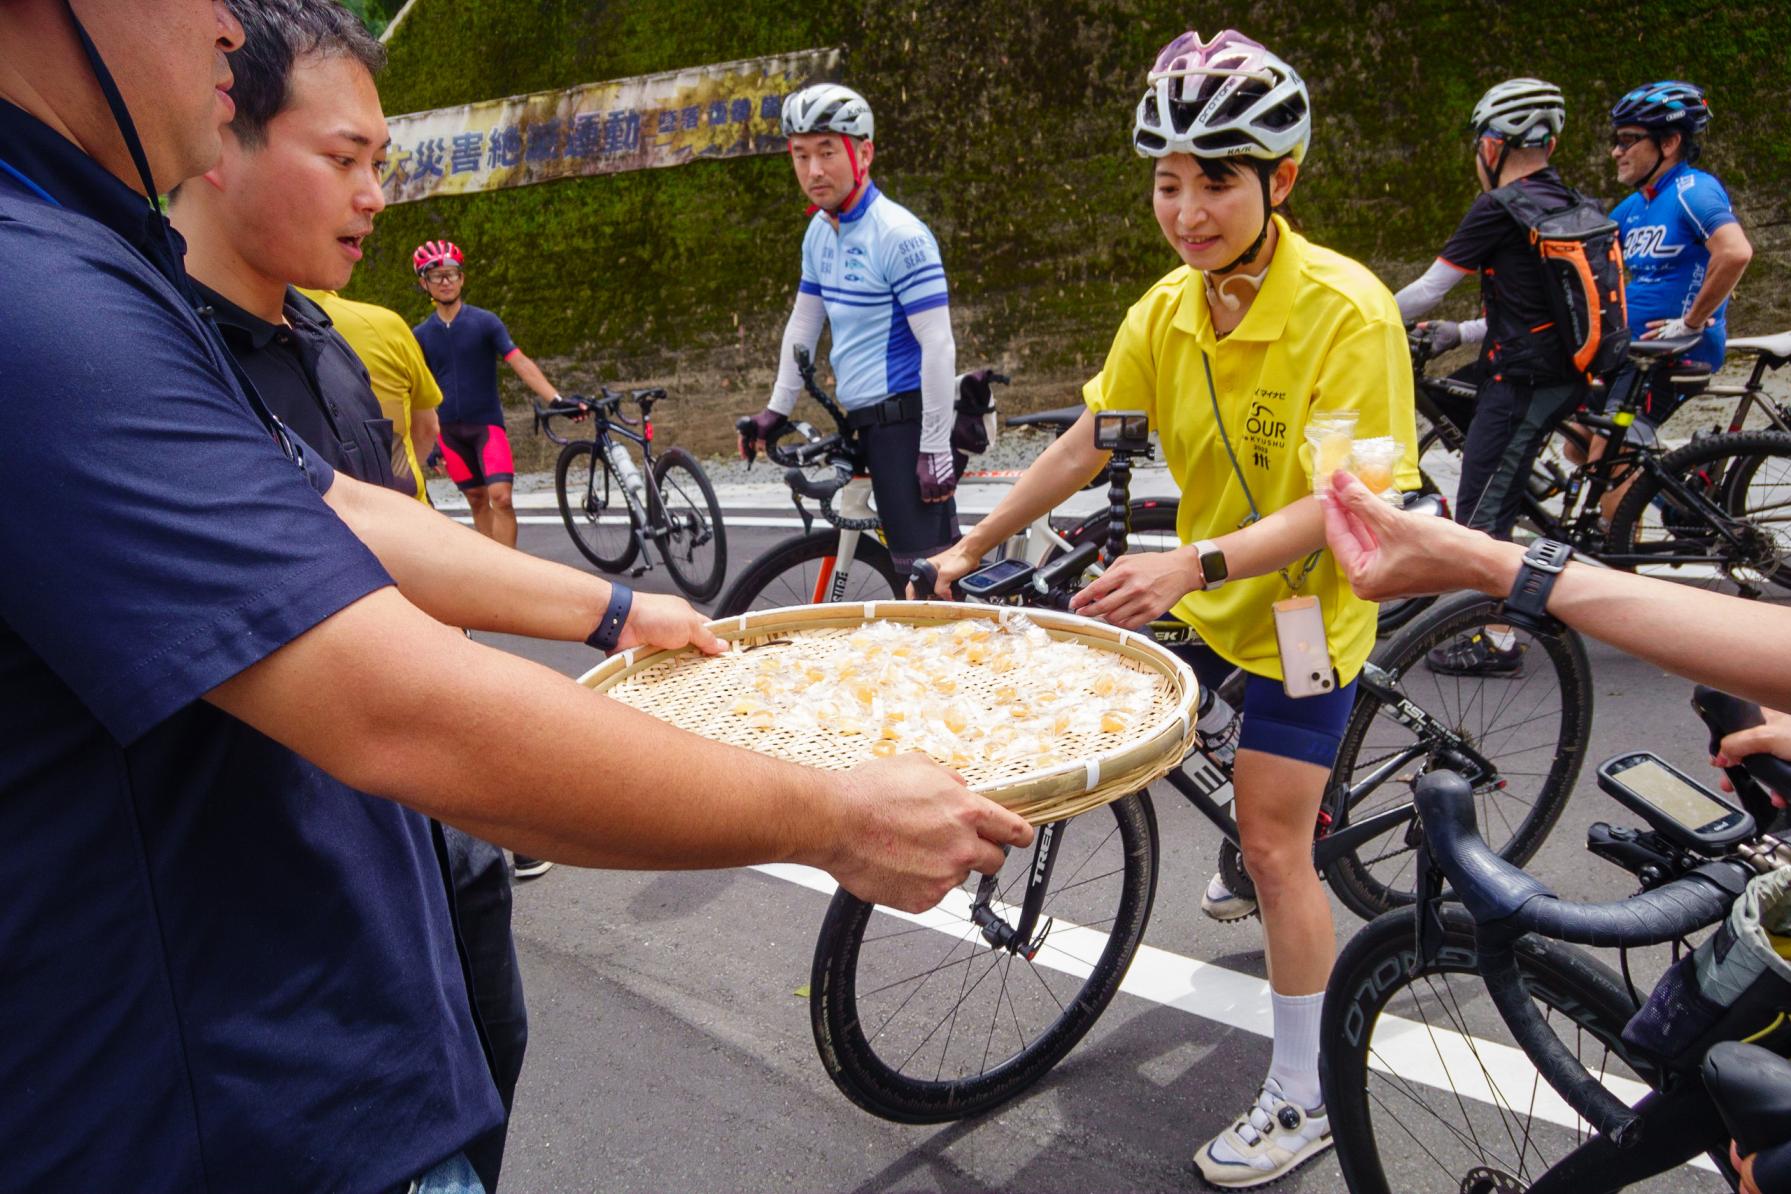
column 1228, row 97
column 1669, row 107
column 828, row 108
column 1525, row 113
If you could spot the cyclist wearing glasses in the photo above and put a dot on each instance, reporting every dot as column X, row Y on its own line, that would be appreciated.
column 1231, row 354
column 1527, row 381
column 463, row 345
column 1683, row 249
column 871, row 272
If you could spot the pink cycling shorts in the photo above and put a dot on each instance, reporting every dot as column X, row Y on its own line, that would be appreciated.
column 477, row 455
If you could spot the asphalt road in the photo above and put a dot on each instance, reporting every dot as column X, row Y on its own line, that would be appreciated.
column 670, row 1047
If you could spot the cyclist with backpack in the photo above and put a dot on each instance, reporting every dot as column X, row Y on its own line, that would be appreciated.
column 1232, row 355
column 1525, row 234
column 871, row 272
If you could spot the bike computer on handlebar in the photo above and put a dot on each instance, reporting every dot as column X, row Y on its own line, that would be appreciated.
column 1674, row 804
column 998, row 579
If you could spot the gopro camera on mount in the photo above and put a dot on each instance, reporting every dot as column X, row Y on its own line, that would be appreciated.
column 1123, row 431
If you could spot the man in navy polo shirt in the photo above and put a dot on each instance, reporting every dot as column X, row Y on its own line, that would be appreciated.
column 223, row 965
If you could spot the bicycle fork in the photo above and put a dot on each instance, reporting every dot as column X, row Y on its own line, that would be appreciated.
column 1018, row 937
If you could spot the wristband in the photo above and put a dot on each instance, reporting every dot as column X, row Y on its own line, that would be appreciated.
column 1527, row 606
column 609, row 630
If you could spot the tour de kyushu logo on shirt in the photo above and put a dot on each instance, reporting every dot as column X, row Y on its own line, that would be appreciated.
column 1265, row 428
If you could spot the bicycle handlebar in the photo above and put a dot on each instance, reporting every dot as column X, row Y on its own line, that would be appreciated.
column 1502, row 896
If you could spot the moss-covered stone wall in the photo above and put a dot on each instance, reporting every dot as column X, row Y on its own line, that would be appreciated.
column 1005, row 126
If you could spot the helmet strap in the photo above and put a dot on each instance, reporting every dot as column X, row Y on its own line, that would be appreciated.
column 858, row 177
column 1248, row 256
column 1660, row 160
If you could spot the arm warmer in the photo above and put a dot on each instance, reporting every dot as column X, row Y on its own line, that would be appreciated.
column 938, row 376
column 803, row 331
column 1473, row 331
column 1428, row 290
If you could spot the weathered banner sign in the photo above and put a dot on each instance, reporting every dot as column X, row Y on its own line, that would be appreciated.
column 729, row 109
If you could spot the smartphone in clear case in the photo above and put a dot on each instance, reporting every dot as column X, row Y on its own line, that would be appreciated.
column 1306, row 668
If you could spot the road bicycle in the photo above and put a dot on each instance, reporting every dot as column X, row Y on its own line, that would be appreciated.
column 1421, row 1097
column 1720, row 505
column 612, row 512
column 846, row 561
column 929, row 1018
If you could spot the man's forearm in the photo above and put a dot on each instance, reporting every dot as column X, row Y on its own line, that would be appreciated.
column 515, row 753
column 1743, row 647
column 532, row 377
column 460, row 577
column 1060, row 470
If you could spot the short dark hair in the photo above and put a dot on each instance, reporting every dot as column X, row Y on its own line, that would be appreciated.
column 276, row 34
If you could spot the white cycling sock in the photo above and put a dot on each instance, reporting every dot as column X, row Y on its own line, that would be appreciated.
column 1504, row 640
column 1295, row 1061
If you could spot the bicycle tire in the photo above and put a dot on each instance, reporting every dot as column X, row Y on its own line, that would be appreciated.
column 897, row 1049
column 690, row 527
column 790, row 572
column 1724, row 467
column 1379, row 874
column 1408, row 1097
column 608, row 542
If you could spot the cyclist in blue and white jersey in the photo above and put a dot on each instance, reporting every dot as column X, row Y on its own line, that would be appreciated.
column 1682, row 246
column 871, row 271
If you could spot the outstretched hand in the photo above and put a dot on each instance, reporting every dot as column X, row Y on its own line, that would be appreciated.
column 657, row 620
column 1388, row 553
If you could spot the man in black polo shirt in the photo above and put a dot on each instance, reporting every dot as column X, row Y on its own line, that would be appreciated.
column 212, row 976
column 289, row 204
column 1528, row 384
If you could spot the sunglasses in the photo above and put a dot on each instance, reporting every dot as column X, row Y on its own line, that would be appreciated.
column 1624, row 142
column 441, row 275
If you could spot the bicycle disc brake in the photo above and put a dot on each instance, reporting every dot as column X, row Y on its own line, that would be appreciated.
column 1483, row 1179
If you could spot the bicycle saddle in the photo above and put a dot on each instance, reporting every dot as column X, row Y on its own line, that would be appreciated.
column 1752, row 1089
column 1060, row 419
column 1650, row 350
column 1777, row 347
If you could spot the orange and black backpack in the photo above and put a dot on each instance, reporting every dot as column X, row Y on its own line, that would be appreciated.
column 1582, row 258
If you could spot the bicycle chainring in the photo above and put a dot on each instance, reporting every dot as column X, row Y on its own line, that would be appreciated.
column 1233, row 873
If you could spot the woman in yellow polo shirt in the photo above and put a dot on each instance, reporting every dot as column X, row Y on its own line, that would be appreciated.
column 1231, row 354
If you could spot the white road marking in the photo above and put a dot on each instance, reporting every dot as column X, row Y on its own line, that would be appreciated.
column 1484, row 1070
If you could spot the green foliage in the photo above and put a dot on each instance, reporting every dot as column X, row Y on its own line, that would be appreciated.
column 1006, row 126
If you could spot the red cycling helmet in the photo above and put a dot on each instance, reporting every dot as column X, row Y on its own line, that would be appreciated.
column 432, row 253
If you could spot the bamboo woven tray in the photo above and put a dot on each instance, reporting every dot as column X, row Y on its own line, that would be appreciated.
column 695, row 692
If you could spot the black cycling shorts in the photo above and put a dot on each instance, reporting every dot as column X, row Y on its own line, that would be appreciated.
column 1511, row 420
column 914, row 528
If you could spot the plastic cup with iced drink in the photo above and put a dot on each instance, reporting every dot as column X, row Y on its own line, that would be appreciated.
column 1332, row 435
column 1374, row 462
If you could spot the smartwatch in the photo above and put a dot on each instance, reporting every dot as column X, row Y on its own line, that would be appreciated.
column 1527, row 606
column 609, row 630
column 1212, row 564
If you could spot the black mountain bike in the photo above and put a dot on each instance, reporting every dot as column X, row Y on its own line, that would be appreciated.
column 945, row 1015
column 611, row 509
column 1424, row 1092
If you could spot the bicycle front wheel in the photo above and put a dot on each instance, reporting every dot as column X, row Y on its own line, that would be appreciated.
column 1426, row 1090
column 919, row 1020
column 695, row 546
column 804, row 570
column 1746, row 477
column 594, row 508
column 1530, row 726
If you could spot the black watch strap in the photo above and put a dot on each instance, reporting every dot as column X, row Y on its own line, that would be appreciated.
column 1527, row 606
column 609, row 630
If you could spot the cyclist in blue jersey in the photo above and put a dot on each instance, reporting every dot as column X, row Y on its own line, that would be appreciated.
column 1682, row 245
column 871, row 272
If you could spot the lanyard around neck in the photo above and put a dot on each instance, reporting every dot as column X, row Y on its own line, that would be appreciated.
column 1293, row 583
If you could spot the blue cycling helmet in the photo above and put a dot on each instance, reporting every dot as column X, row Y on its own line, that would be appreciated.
column 1669, row 107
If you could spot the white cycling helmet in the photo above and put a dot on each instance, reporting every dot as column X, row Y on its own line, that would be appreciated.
column 1527, row 113
column 828, row 108
column 1228, row 97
